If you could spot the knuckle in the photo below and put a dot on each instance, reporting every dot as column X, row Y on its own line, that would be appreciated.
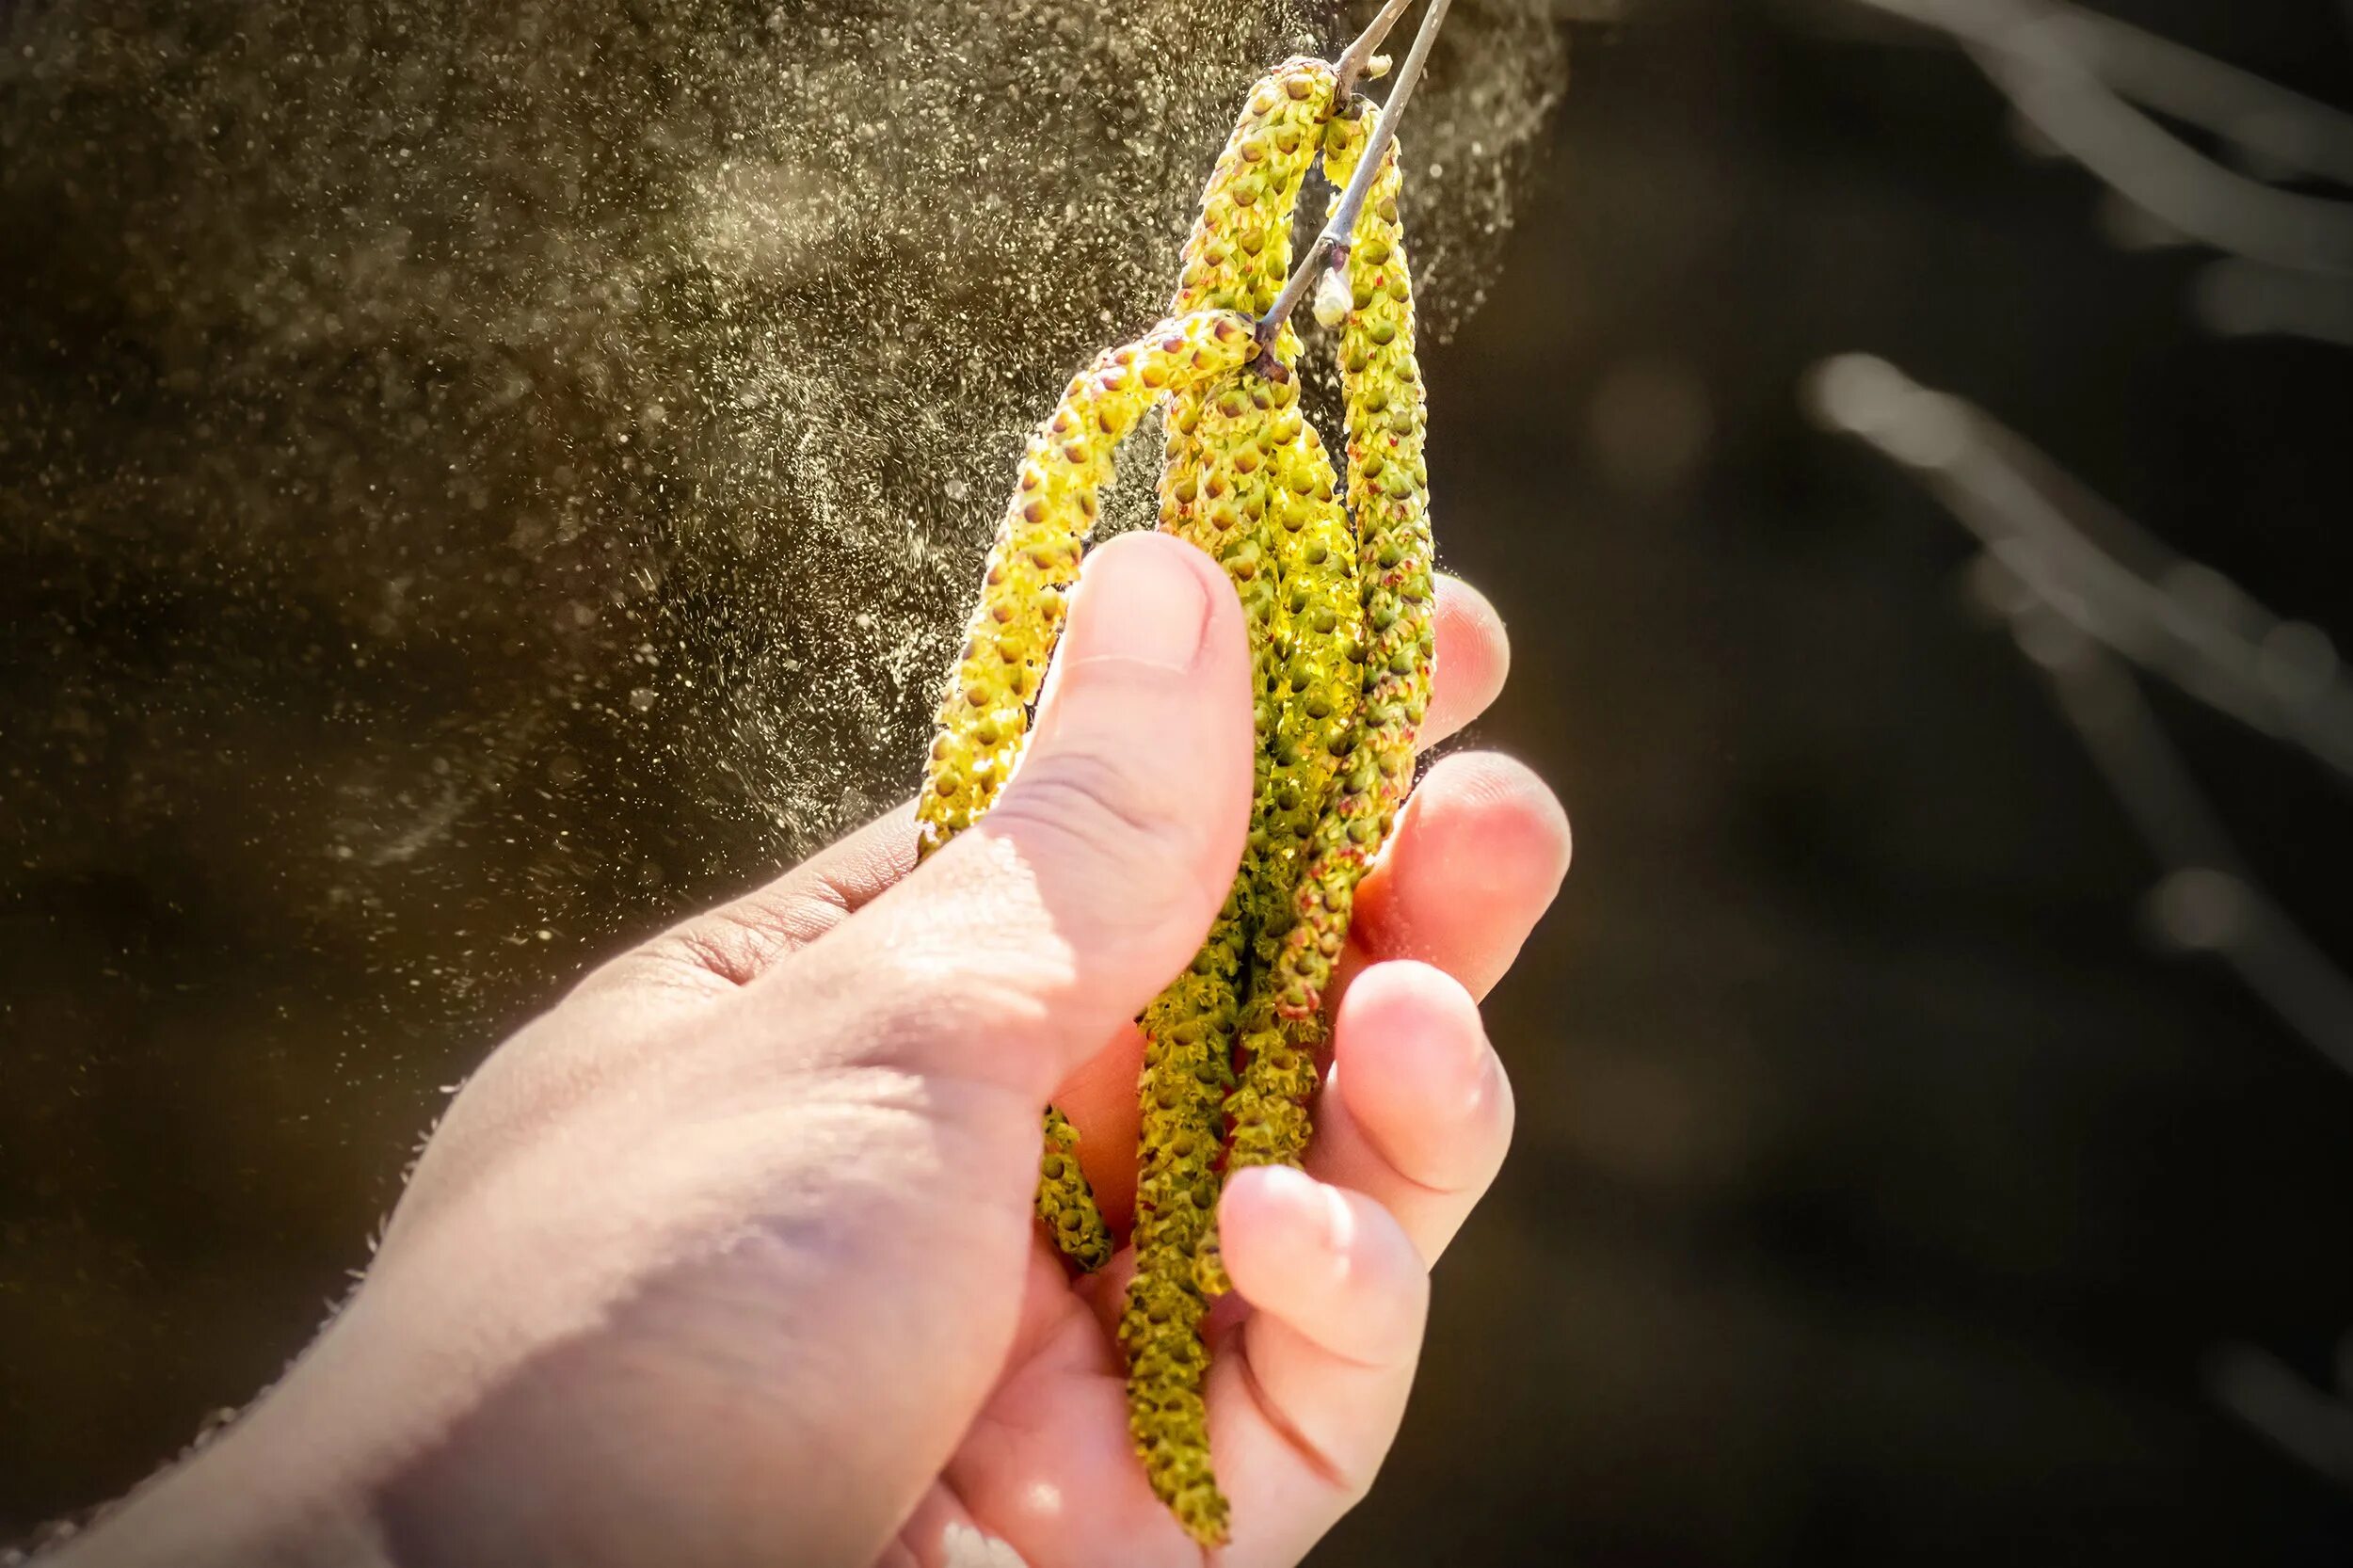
column 1101, row 809
column 733, row 944
column 960, row 972
column 712, row 950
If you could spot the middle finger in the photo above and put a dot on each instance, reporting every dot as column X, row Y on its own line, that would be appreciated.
column 1480, row 851
column 1416, row 1112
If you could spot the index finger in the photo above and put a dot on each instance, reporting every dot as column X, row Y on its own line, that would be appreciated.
column 736, row 942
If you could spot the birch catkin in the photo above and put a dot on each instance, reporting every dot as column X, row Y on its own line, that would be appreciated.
column 984, row 712
column 1239, row 249
column 1319, row 680
column 1389, row 484
column 1222, row 489
column 1349, row 778
column 1189, row 1031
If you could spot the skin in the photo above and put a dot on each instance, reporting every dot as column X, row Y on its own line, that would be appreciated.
column 730, row 1258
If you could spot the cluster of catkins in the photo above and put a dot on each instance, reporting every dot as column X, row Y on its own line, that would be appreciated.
column 1339, row 601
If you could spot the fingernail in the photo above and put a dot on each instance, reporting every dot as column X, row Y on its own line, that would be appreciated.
column 1141, row 603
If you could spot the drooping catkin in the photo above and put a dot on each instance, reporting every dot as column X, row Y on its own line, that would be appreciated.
column 1189, row 1030
column 1388, row 486
column 1314, row 685
column 1320, row 669
column 985, row 714
column 1221, row 489
column 1065, row 1200
column 1238, row 252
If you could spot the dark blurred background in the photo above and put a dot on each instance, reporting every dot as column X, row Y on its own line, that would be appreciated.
column 1891, row 1185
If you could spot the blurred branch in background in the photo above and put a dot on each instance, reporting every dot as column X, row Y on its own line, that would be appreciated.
column 2241, row 298
column 2080, row 585
column 2314, row 1425
column 2280, row 134
column 2083, row 584
column 2208, row 901
column 2083, row 590
column 2108, row 576
column 2074, row 77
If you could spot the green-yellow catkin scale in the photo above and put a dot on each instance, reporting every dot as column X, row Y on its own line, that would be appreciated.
column 1218, row 491
column 1388, row 486
column 985, row 714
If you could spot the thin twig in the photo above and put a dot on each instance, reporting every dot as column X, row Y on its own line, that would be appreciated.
column 2069, row 72
column 1351, row 203
column 1357, row 58
column 2117, row 584
column 2308, row 1423
column 2208, row 901
column 2284, row 127
column 2082, row 612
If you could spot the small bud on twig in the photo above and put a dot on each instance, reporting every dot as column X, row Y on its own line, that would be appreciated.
column 1351, row 201
column 1332, row 296
column 1358, row 61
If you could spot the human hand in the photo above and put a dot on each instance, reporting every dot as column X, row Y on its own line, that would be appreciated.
column 730, row 1256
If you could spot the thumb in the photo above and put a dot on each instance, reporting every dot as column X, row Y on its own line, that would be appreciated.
column 1016, row 951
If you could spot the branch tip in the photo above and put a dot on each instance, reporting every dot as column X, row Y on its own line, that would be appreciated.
column 1351, row 203
column 1358, row 61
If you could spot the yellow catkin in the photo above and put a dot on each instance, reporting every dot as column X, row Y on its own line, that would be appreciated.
column 1218, row 491
column 984, row 712
column 1237, row 256
column 1189, row 1030
column 1317, row 679
column 1388, row 493
column 1238, row 252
